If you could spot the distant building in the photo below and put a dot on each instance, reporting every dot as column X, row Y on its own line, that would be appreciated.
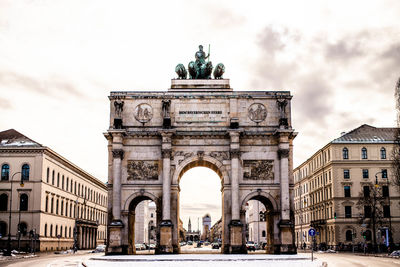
column 145, row 222
column 56, row 198
column 255, row 219
column 329, row 185
column 205, row 235
column 216, row 231
column 192, row 235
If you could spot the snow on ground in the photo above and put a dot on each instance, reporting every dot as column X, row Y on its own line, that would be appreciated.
column 202, row 260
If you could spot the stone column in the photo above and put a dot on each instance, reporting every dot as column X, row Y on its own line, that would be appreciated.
column 117, row 159
column 116, row 224
column 286, row 226
column 236, row 227
column 166, row 225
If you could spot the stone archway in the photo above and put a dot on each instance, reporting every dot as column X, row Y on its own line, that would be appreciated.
column 272, row 218
column 245, row 137
column 200, row 160
column 130, row 206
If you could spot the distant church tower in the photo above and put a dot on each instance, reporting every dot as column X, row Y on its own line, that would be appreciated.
column 189, row 226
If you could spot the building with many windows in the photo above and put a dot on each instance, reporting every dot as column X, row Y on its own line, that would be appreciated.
column 345, row 189
column 255, row 220
column 53, row 203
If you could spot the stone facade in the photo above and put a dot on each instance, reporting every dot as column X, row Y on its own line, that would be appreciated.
column 257, row 226
column 329, row 184
column 56, row 197
column 200, row 123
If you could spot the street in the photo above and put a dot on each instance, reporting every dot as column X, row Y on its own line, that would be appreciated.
column 302, row 259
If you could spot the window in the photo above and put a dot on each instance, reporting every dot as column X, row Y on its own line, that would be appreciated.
column 345, row 153
column 366, row 190
column 349, row 235
column 45, row 229
column 48, row 175
column 365, row 173
column 383, row 153
column 52, row 177
column 47, row 204
column 23, row 202
column 385, row 191
column 62, row 207
column 384, row 173
column 263, row 233
column 56, row 232
column 23, row 229
column 3, row 202
column 57, row 206
column 347, row 211
column 25, row 172
column 364, row 153
column 3, row 228
column 51, row 230
column 367, row 211
column 347, row 191
column 52, row 205
column 62, row 182
column 5, row 172
column 346, row 174
column 67, row 184
column 58, row 179
column 386, row 211
column 66, row 232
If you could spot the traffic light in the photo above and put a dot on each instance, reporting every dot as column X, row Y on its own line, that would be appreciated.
column 262, row 216
column 334, row 215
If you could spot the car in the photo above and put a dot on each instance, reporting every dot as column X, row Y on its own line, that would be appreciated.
column 100, row 248
column 152, row 246
column 140, row 247
column 250, row 246
column 215, row 245
column 190, row 243
column 206, row 243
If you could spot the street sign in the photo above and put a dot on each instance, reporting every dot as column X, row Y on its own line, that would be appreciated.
column 311, row 232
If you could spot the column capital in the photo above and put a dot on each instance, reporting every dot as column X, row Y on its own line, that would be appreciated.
column 283, row 153
column 235, row 153
column 118, row 153
column 166, row 153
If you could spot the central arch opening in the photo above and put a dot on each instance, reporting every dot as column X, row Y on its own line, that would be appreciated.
column 200, row 209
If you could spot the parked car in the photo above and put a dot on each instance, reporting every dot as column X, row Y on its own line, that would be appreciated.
column 250, row 246
column 152, row 246
column 215, row 245
column 140, row 247
column 100, row 248
column 190, row 243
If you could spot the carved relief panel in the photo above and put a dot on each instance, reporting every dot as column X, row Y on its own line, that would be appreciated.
column 258, row 169
column 143, row 170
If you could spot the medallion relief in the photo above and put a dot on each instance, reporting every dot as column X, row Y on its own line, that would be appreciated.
column 143, row 113
column 143, row 170
column 258, row 169
column 257, row 112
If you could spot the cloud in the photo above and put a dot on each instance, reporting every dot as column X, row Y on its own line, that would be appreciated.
column 52, row 85
column 5, row 104
column 344, row 50
column 200, row 207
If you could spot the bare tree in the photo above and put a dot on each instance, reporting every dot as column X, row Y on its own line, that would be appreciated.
column 371, row 203
column 396, row 151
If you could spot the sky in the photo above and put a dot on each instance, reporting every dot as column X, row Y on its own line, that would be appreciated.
column 60, row 59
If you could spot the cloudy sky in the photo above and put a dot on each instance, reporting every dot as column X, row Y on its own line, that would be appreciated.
column 60, row 60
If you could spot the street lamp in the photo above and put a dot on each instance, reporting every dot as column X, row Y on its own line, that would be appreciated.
column 8, row 252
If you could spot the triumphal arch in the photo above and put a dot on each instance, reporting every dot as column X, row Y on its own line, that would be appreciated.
column 244, row 136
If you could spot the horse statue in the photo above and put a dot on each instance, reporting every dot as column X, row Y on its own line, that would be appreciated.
column 200, row 71
column 181, row 71
column 219, row 71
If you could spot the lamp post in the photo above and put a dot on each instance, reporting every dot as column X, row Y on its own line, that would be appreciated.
column 8, row 252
